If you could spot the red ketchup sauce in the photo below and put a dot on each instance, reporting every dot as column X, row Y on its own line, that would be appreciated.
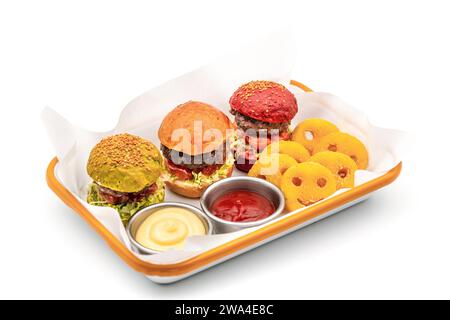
column 242, row 206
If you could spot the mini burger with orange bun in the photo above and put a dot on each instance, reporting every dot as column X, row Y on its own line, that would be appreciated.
column 263, row 111
column 195, row 139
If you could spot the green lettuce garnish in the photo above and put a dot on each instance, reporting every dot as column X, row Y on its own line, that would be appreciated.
column 126, row 211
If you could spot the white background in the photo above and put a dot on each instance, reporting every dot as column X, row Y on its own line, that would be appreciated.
column 87, row 59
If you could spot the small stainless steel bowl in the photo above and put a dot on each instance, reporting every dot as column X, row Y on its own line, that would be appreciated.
column 264, row 188
column 139, row 217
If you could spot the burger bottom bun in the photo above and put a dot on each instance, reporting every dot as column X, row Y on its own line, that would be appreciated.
column 244, row 167
column 187, row 189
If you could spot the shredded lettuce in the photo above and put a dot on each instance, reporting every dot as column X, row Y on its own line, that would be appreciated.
column 201, row 179
column 126, row 211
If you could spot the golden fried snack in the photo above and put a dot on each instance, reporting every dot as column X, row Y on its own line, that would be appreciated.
column 307, row 183
column 292, row 205
column 309, row 132
column 271, row 167
column 284, row 162
column 344, row 143
column 292, row 148
column 341, row 165
column 261, row 167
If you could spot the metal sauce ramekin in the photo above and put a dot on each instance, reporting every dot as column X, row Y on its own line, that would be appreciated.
column 263, row 187
column 139, row 217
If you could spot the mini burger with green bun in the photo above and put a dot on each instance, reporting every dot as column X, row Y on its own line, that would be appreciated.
column 126, row 172
column 195, row 139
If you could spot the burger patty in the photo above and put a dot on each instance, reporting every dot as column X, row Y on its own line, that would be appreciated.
column 197, row 162
column 117, row 197
column 245, row 123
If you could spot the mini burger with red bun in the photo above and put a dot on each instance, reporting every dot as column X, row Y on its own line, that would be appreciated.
column 263, row 111
column 195, row 139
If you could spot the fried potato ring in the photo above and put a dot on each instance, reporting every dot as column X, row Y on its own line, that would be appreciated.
column 341, row 165
column 271, row 167
column 344, row 143
column 307, row 183
column 310, row 131
column 292, row 205
column 294, row 149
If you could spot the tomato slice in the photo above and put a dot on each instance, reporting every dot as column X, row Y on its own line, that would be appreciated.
column 209, row 170
column 246, row 159
column 260, row 143
column 257, row 143
column 180, row 172
column 285, row 135
column 184, row 173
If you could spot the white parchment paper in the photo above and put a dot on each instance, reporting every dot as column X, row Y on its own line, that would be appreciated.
column 270, row 59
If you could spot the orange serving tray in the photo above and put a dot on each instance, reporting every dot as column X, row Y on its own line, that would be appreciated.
column 218, row 254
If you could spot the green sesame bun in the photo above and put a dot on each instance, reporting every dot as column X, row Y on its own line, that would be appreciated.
column 124, row 163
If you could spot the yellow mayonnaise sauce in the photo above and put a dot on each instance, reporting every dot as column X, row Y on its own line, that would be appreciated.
column 168, row 228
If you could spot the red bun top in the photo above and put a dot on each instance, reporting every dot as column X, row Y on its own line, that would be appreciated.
column 264, row 101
